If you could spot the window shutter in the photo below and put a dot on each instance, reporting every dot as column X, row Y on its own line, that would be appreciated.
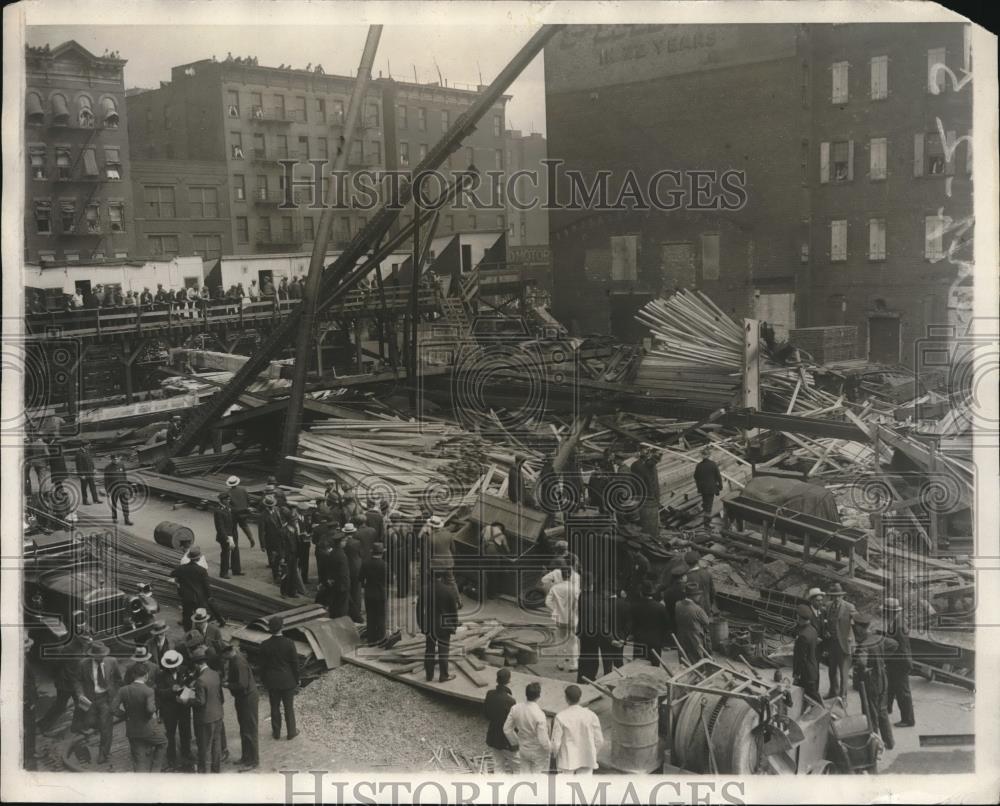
column 951, row 150
column 918, row 154
column 850, row 160
column 824, row 162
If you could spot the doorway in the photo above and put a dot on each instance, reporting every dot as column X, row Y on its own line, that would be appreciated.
column 883, row 339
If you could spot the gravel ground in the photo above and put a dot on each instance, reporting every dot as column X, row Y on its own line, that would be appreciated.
column 369, row 722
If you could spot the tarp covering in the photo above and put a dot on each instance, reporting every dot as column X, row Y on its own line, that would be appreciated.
column 59, row 110
column 34, row 105
column 800, row 496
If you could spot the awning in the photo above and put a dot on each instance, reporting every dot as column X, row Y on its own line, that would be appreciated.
column 67, row 205
column 60, row 113
column 37, row 156
column 35, row 111
column 42, row 205
column 110, row 113
column 90, row 163
column 83, row 102
column 112, row 155
column 62, row 158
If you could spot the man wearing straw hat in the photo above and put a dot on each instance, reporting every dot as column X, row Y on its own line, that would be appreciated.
column 170, row 681
column 805, row 658
column 239, row 501
column 355, row 559
column 271, row 535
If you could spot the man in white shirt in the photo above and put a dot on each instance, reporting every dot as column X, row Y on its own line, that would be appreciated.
column 555, row 575
column 576, row 736
column 561, row 601
column 527, row 730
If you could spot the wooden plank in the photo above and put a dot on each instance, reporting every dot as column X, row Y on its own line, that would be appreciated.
column 467, row 669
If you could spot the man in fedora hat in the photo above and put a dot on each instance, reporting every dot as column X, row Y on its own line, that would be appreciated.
column 870, row 677
column 805, row 657
column 899, row 663
column 243, row 686
column 141, row 661
column 272, row 530
column 650, row 625
column 225, row 536
column 335, row 575
column 698, row 572
column 708, row 482
column 840, row 640
column 85, row 472
column 98, row 679
column 355, row 560
column 692, row 625
column 213, row 635
column 375, row 581
column 146, row 737
column 647, row 487
column 437, row 616
column 158, row 643
column 239, row 502
column 170, row 681
column 279, row 672
column 192, row 585
column 207, row 717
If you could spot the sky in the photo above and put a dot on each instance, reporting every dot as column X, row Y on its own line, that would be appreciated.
column 461, row 53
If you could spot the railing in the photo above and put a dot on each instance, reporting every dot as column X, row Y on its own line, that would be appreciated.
column 260, row 115
column 268, row 196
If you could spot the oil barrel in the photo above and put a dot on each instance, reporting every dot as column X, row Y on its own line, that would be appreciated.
column 636, row 716
column 173, row 535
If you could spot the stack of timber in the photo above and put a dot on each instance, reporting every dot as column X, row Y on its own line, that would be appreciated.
column 230, row 458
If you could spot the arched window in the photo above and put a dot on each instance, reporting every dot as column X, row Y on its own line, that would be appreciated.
column 36, row 113
column 109, row 113
column 60, row 111
column 85, row 112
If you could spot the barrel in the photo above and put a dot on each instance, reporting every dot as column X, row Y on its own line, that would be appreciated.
column 173, row 535
column 636, row 716
column 720, row 632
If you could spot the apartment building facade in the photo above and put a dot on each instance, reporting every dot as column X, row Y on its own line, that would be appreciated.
column 78, row 197
column 528, row 220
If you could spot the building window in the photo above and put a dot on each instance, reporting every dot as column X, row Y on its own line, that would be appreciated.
column 303, row 148
column 116, row 217
column 43, row 217
column 35, row 110
column 63, row 163
column 166, row 118
column 375, row 149
column 498, row 159
column 207, row 247
column 498, row 125
column 710, row 256
column 259, row 146
column 421, row 151
column 445, row 120
column 321, row 110
column 300, row 109
column 876, row 239
column 92, row 216
column 286, row 228
column 232, row 103
column 880, row 77
column 404, row 153
column 204, row 202
column 160, row 201
column 109, row 111
column 401, row 116
column 242, row 229
column 112, row 163
column 264, row 229
column 933, row 237
column 256, row 104
column 838, row 240
column 236, row 145
column 877, row 147
column 36, row 156
column 837, row 161
column 279, row 107
column 338, row 111
column 524, row 233
column 163, row 245
column 282, row 152
column 323, row 148
column 309, row 228
column 421, row 119
column 72, row 257
column 472, row 222
column 356, row 155
column 85, row 115
column 933, row 154
column 262, row 187
column 239, row 187
column 67, row 215
column 839, row 74
column 372, row 116
column 937, row 77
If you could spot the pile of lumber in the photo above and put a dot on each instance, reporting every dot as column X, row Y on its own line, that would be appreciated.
column 230, row 459
column 408, row 655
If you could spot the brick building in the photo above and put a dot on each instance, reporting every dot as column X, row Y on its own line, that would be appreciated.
column 525, row 153
column 78, row 198
column 851, row 196
column 183, row 207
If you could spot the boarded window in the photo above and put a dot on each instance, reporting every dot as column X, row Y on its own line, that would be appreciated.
column 838, row 240
column 880, row 77
column 933, row 237
column 878, row 148
column 839, row 74
column 876, row 239
column 677, row 265
column 710, row 256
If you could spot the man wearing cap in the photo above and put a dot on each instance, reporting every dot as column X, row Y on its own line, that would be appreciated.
column 192, row 585
column 367, row 535
column 375, row 581
column 840, row 643
column 279, row 672
column 117, row 485
column 898, row 664
column 692, row 625
column 708, row 482
column 375, row 519
column 98, row 678
column 870, row 678
column 439, row 547
column 437, row 616
column 85, row 473
column 239, row 500
column 225, row 536
column 805, row 658
column 243, row 686
column 698, row 573
column 207, row 717
column 496, row 706
column 170, row 681
column 146, row 737
column 355, row 559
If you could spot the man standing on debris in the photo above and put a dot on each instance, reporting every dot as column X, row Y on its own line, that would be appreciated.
column 239, row 500
column 650, row 624
column 527, row 731
column 698, row 572
column 561, row 600
column 496, row 554
column 597, row 485
column 229, row 553
column 708, row 481
column 437, row 616
column 497, row 706
column 242, row 685
column 576, row 736
column 146, row 738
column 304, row 515
column 805, row 658
column 692, row 625
column 648, row 488
column 898, row 664
column 192, row 585
column 375, row 581
column 279, row 672
column 375, row 520
column 117, row 486
column 870, row 677
column 839, row 644
column 355, row 560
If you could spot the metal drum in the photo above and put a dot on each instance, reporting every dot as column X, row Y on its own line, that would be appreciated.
column 720, row 632
column 636, row 715
column 173, row 535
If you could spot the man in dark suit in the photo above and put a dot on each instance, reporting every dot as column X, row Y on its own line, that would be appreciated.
column 355, row 559
column 375, row 581
column 170, row 681
column 192, row 584
column 146, row 737
column 805, row 657
column 158, row 643
column 437, row 616
column 239, row 500
column 692, row 625
column 243, row 686
column 899, row 663
column 497, row 706
column 85, row 473
column 225, row 536
column 708, row 482
column 117, row 485
column 98, row 678
column 375, row 520
column 213, row 635
column 700, row 574
column 336, row 574
column 279, row 672
column 650, row 626
column 207, row 704
column 271, row 535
